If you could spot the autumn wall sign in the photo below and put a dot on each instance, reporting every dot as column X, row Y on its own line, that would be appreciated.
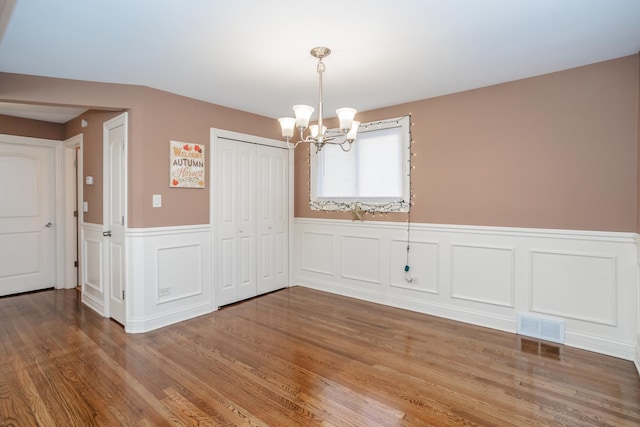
column 187, row 165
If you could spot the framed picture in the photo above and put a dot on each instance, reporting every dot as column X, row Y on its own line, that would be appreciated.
column 186, row 165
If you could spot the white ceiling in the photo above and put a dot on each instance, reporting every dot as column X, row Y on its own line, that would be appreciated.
column 46, row 113
column 253, row 55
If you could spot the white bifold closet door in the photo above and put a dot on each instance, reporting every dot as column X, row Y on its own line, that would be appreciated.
column 251, row 203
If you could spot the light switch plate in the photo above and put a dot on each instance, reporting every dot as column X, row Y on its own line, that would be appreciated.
column 85, row 206
column 157, row 201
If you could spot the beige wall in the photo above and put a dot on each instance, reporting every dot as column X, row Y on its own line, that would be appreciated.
column 554, row 151
column 31, row 128
column 156, row 117
column 92, row 139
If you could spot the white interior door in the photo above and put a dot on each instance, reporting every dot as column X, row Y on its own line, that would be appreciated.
column 235, row 220
column 115, row 144
column 272, row 219
column 27, row 211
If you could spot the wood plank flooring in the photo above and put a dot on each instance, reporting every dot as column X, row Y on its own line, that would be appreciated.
column 296, row 357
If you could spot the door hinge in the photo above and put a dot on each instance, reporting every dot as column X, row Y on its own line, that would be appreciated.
column 75, row 164
column 123, row 294
column 122, row 219
column 75, row 214
column 75, row 263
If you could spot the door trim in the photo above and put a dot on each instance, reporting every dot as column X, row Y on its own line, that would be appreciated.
column 216, row 134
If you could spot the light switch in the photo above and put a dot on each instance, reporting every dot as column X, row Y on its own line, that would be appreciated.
column 85, row 206
column 157, row 201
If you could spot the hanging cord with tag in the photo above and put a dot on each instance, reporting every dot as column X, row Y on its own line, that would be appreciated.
column 407, row 274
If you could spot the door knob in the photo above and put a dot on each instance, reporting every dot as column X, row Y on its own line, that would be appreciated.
column 48, row 225
column 107, row 233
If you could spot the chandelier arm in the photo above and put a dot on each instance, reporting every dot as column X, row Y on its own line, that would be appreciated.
column 347, row 143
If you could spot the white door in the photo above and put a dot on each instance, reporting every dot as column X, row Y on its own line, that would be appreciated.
column 235, row 220
column 272, row 219
column 27, row 209
column 114, row 215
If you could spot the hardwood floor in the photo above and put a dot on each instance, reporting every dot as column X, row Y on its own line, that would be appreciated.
column 295, row 357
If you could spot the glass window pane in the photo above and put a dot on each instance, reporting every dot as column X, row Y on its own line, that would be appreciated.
column 336, row 177
column 379, row 169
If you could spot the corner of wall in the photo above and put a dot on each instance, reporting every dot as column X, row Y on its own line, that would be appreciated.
column 637, row 360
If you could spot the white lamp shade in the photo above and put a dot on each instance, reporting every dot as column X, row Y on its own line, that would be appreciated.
column 287, row 124
column 303, row 114
column 314, row 130
column 351, row 136
column 346, row 116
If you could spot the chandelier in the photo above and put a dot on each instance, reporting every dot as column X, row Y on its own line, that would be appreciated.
column 318, row 134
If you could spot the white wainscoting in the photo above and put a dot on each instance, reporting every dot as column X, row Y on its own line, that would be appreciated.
column 168, row 276
column 482, row 275
column 91, row 255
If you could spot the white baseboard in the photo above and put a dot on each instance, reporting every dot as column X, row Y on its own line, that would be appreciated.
column 500, row 323
column 168, row 318
column 93, row 303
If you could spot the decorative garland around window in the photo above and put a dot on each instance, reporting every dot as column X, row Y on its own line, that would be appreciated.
column 358, row 209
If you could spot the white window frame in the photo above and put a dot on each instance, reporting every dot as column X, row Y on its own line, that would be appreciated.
column 401, row 204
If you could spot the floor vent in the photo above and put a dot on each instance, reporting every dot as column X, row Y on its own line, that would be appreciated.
column 542, row 328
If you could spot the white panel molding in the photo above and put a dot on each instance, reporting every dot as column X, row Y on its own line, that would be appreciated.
column 419, row 262
column 354, row 262
column 603, row 236
column 187, row 267
column 91, row 266
column 479, row 274
column 312, row 244
column 498, row 307
column 167, row 231
column 577, row 297
column 92, row 255
column 187, row 299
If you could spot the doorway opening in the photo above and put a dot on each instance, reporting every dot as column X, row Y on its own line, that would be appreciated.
column 72, row 214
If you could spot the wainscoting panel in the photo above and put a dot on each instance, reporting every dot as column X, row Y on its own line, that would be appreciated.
column 317, row 252
column 473, row 265
column 361, row 258
column 91, row 266
column 576, row 286
column 174, row 280
column 170, row 280
column 482, row 275
column 422, row 259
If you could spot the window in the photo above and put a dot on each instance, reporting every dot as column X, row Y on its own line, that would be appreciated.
column 374, row 174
